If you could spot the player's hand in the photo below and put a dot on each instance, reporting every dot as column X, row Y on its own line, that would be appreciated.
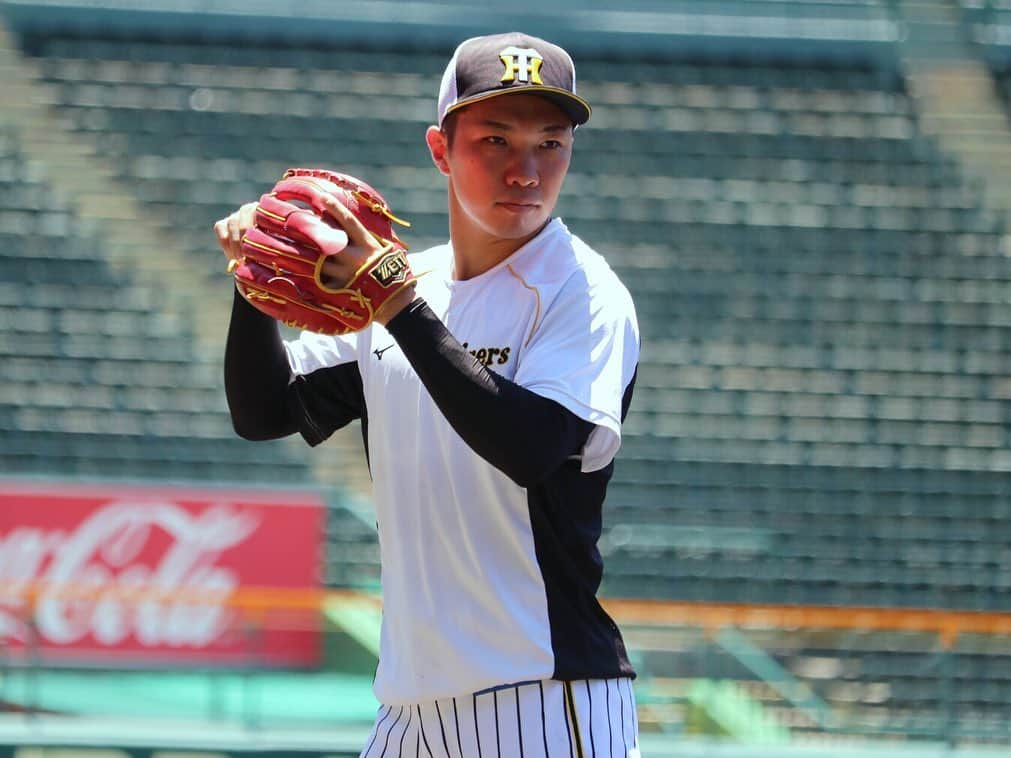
column 338, row 270
column 230, row 229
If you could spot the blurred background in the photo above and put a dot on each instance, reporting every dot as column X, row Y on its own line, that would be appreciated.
column 808, row 536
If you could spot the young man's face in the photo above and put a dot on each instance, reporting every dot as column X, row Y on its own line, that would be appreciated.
column 506, row 164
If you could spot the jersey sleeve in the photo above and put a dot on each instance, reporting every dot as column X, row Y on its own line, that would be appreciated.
column 583, row 355
column 311, row 352
column 325, row 392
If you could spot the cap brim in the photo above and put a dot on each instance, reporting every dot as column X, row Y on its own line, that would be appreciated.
column 574, row 106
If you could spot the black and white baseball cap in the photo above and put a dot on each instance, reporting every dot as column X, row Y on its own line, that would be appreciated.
column 502, row 64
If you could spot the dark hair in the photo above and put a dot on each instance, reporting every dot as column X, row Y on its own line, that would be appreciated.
column 449, row 127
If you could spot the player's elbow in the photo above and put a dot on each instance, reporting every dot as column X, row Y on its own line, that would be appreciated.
column 246, row 432
column 251, row 432
column 260, row 428
column 532, row 459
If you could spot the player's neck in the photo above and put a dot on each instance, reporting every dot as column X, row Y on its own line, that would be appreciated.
column 472, row 258
column 475, row 251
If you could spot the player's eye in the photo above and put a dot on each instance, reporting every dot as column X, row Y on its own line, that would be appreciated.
column 551, row 144
column 494, row 139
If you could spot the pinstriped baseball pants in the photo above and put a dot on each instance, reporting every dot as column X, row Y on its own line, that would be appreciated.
column 593, row 718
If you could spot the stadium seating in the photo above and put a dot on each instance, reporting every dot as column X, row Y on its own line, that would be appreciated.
column 98, row 378
column 820, row 289
column 882, row 684
column 811, row 535
column 822, row 406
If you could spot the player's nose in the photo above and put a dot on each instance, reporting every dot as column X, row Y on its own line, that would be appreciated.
column 522, row 170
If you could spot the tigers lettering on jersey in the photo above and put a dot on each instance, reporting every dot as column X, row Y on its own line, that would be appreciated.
column 490, row 355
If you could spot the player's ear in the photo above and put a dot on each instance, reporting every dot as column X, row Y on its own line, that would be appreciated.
column 438, row 146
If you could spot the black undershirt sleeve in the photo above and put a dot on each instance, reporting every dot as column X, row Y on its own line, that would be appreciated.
column 521, row 433
column 256, row 375
column 266, row 401
column 524, row 435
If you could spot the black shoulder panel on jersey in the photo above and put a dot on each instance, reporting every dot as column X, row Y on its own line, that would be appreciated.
column 328, row 399
column 566, row 513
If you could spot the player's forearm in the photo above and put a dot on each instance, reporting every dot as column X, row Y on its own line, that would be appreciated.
column 524, row 435
column 256, row 375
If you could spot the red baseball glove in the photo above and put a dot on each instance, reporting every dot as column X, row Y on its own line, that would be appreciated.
column 281, row 271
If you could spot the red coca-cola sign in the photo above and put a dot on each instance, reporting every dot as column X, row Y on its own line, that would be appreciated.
column 142, row 575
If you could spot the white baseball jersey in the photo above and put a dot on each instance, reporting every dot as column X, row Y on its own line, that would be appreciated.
column 486, row 582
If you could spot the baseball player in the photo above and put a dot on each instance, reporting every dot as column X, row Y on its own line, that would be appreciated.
column 491, row 394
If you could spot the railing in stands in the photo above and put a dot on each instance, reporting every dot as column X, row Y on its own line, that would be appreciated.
column 762, row 650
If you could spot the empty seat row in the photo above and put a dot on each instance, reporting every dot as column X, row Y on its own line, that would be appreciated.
column 715, row 354
column 799, row 404
column 702, row 447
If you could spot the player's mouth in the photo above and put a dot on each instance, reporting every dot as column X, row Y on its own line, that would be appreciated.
column 518, row 207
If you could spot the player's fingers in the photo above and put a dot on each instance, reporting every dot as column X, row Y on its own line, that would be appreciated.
column 220, row 229
column 349, row 222
column 247, row 216
column 235, row 231
column 222, row 234
column 231, row 229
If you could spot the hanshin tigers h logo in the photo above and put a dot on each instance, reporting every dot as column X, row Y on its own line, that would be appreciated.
column 521, row 63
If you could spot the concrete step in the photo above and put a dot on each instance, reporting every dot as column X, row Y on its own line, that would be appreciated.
column 927, row 11
column 955, row 92
column 984, row 125
column 972, row 144
column 996, row 142
column 961, row 98
column 979, row 161
column 956, row 96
